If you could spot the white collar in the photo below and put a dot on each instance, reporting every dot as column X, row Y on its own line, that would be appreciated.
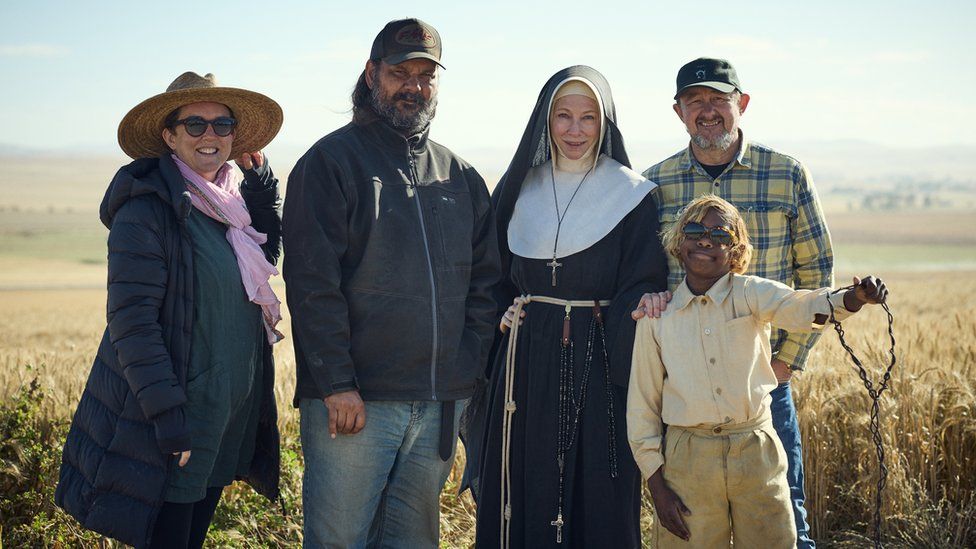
column 606, row 196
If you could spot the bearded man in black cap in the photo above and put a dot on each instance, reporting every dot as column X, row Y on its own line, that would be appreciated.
column 390, row 258
column 776, row 197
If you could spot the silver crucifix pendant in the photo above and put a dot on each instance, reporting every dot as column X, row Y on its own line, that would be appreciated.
column 554, row 264
column 558, row 523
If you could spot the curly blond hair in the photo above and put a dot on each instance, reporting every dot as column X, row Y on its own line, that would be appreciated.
column 695, row 211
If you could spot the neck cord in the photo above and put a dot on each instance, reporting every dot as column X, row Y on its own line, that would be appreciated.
column 560, row 217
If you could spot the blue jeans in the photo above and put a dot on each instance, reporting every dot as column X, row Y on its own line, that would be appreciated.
column 788, row 429
column 377, row 488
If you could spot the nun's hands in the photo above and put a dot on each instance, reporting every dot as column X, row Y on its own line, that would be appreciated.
column 651, row 305
column 509, row 317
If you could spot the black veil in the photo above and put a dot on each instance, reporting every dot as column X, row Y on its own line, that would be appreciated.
column 534, row 150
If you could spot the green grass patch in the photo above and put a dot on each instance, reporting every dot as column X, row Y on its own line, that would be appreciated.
column 881, row 258
column 83, row 245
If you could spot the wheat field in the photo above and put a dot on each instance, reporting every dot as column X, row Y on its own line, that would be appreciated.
column 47, row 338
column 52, row 313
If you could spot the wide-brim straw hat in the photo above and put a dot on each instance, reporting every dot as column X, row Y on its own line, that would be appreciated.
column 258, row 116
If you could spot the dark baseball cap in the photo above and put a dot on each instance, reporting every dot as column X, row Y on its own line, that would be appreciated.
column 717, row 74
column 405, row 39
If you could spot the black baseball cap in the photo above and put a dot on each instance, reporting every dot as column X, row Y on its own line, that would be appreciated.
column 717, row 74
column 405, row 39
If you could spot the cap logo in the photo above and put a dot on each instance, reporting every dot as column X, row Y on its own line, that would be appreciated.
column 700, row 74
column 415, row 35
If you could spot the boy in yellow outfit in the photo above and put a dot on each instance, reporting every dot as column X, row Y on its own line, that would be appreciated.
column 703, row 369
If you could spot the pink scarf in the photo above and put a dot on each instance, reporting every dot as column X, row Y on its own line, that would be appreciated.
column 222, row 201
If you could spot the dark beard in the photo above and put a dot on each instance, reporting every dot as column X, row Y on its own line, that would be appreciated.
column 407, row 124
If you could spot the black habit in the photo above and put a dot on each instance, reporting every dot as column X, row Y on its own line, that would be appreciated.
column 599, row 509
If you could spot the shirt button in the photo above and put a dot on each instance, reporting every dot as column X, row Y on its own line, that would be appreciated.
column 718, row 391
column 711, row 360
column 708, row 331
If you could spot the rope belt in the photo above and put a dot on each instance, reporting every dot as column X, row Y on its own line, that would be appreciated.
column 510, row 354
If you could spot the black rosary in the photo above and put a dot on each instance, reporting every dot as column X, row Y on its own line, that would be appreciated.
column 570, row 406
column 875, row 395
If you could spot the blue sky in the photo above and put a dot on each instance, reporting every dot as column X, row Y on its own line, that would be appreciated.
column 894, row 73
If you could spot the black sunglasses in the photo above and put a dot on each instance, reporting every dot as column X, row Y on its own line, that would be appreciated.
column 718, row 235
column 197, row 126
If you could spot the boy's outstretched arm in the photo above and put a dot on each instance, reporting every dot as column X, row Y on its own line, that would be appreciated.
column 869, row 290
column 668, row 506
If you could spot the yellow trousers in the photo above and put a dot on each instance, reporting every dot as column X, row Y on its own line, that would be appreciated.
column 733, row 480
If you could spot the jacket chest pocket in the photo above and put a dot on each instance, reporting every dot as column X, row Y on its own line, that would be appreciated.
column 453, row 223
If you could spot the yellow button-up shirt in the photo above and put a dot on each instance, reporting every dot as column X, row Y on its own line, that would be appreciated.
column 705, row 362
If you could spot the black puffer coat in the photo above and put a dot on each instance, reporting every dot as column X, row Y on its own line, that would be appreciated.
column 114, row 467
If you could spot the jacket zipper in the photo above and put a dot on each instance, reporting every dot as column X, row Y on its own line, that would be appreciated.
column 430, row 273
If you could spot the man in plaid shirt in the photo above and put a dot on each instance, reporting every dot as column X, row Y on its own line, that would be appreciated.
column 775, row 195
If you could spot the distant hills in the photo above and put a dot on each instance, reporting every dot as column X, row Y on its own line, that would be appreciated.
column 833, row 163
column 842, row 162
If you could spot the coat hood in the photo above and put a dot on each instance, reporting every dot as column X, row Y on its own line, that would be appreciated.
column 144, row 176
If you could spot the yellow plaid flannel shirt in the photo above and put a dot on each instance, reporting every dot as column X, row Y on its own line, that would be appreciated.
column 776, row 197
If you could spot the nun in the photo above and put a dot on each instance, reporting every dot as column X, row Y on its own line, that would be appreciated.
column 578, row 233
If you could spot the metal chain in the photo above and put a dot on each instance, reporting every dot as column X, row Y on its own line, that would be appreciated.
column 875, row 395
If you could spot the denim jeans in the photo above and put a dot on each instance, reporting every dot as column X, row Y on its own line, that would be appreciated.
column 788, row 429
column 379, row 487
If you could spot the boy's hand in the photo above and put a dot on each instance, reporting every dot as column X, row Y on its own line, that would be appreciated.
column 668, row 506
column 869, row 290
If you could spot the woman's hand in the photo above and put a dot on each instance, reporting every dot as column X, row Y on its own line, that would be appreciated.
column 249, row 160
column 651, row 305
column 509, row 317
column 184, row 457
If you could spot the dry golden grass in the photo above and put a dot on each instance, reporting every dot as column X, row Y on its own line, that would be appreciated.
column 928, row 417
column 929, row 414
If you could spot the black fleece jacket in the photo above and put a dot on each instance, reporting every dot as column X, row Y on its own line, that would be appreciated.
column 390, row 256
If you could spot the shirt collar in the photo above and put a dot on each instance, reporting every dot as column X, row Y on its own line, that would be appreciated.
column 743, row 158
column 718, row 292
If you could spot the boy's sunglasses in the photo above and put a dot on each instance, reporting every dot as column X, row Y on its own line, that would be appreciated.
column 718, row 235
column 197, row 126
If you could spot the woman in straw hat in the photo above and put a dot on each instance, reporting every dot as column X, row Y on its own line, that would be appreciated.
column 180, row 400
